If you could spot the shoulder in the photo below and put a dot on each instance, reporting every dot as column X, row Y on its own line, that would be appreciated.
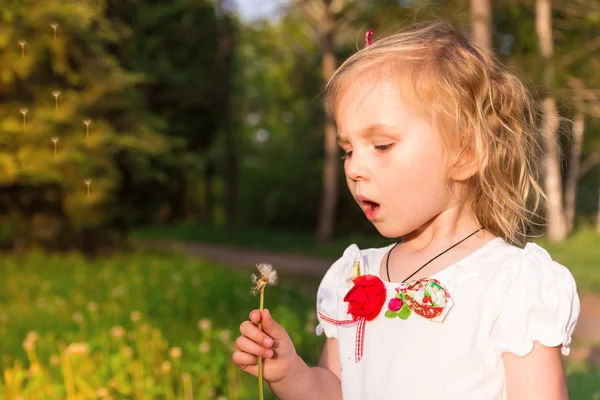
column 535, row 298
column 531, row 265
column 520, row 264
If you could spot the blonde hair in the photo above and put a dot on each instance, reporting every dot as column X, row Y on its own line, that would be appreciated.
column 477, row 104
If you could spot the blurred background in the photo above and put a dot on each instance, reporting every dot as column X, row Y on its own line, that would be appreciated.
column 151, row 152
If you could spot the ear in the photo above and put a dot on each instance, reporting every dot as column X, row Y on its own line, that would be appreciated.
column 466, row 166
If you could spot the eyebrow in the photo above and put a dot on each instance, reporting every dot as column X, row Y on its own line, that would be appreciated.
column 369, row 130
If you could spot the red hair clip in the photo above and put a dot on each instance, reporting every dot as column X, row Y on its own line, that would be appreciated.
column 369, row 37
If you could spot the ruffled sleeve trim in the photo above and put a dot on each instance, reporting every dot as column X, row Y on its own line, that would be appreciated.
column 538, row 302
column 332, row 290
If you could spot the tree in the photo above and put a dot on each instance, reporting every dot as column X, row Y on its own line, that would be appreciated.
column 481, row 22
column 557, row 227
column 326, row 19
column 80, row 155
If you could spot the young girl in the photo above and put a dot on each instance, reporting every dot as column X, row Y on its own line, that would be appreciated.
column 439, row 142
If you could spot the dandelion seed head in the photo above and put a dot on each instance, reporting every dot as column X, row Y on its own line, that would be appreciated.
column 204, row 324
column 204, row 347
column 268, row 273
column 77, row 317
column 267, row 276
column 225, row 336
column 135, row 316
column 127, row 352
column 175, row 352
column 165, row 367
column 117, row 332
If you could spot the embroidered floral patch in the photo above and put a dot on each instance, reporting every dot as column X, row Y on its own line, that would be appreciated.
column 425, row 297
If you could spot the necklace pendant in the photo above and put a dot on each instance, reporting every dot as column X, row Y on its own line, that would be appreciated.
column 425, row 297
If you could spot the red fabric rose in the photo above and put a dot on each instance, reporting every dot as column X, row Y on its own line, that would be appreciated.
column 366, row 297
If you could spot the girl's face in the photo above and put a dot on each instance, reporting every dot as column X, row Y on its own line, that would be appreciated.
column 394, row 159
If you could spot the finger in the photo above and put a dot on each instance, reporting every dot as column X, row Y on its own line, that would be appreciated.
column 252, row 332
column 243, row 360
column 248, row 346
column 272, row 328
column 255, row 316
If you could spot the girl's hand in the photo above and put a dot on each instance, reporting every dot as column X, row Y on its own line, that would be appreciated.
column 272, row 343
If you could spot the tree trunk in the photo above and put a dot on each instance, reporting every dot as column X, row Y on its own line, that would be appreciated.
column 209, row 204
column 574, row 168
column 557, row 227
column 326, row 220
column 481, row 22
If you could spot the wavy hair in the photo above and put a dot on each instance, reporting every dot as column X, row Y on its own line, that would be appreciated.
column 477, row 104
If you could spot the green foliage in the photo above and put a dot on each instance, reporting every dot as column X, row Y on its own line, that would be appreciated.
column 90, row 104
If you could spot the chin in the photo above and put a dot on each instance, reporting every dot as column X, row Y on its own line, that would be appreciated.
column 387, row 231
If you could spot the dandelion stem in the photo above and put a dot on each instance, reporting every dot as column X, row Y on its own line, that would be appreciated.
column 260, row 366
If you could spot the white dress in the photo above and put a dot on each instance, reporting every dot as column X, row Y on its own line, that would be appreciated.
column 501, row 299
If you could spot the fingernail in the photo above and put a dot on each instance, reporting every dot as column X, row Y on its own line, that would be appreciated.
column 269, row 353
column 267, row 341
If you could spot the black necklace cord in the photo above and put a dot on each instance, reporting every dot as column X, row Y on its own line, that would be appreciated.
column 428, row 262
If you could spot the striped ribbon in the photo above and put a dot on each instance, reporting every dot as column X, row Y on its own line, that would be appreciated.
column 360, row 332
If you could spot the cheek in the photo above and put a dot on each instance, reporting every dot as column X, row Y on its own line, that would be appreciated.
column 416, row 171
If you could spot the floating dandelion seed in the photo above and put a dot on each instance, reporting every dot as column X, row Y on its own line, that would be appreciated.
column 88, row 182
column 56, row 93
column 268, row 276
column 87, row 123
column 24, row 112
column 55, row 141
column 22, row 43
column 54, row 25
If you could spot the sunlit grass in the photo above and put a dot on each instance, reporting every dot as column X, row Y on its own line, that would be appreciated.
column 133, row 326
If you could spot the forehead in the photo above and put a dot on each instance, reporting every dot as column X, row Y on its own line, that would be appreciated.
column 367, row 101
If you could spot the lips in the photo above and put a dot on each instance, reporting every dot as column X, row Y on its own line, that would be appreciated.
column 370, row 207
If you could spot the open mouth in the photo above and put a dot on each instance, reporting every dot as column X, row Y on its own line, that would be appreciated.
column 370, row 208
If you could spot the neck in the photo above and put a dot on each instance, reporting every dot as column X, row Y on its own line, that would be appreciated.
column 448, row 227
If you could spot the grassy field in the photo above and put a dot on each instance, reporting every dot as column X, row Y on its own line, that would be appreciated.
column 146, row 325
column 580, row 252
column 140, row 326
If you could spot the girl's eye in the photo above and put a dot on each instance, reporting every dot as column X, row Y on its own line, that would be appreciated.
column 384, row 147
column 347, row 155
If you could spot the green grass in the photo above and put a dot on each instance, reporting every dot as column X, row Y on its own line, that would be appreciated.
column 580, row 252
column 96, row 304
column 71, row 299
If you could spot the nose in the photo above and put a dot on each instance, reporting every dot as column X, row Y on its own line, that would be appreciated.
column 356, row 167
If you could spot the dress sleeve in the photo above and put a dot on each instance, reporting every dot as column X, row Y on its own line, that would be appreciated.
column 332, row 290
column 538, row 302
